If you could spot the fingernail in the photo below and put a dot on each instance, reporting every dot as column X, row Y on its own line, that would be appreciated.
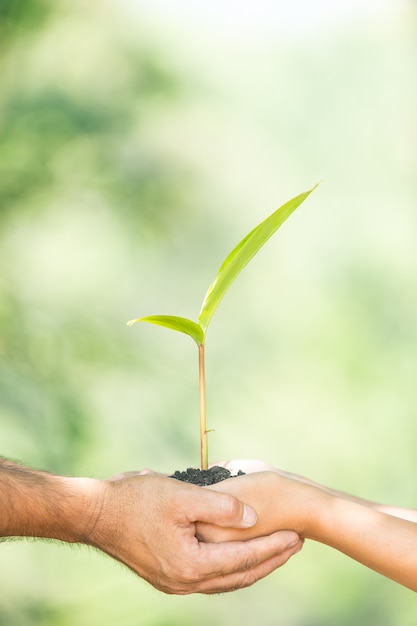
column 249, row 516
column 296, row 542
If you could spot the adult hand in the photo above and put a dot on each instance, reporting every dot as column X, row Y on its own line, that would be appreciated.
column 148, row 522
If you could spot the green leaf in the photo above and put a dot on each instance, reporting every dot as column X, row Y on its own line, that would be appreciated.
column 242, row 254
column 181, row 324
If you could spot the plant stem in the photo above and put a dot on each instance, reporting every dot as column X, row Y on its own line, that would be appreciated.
column 203, row 428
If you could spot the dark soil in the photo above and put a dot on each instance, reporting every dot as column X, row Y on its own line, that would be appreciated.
column 204, row 477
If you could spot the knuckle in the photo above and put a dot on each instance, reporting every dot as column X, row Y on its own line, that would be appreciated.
column 174, row 584
column 250, row 564
column 182, row 576
column 246, row 579
column 188, row 575
column 231, row 506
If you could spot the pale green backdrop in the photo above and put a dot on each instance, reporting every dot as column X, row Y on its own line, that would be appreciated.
column 139, row 141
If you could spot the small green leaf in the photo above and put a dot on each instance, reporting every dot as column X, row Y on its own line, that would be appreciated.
column 181, row 324
column 242, row 254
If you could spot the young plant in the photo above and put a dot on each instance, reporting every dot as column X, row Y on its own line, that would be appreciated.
column 238, row 258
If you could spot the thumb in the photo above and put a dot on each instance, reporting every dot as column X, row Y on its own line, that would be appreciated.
column 222, row 509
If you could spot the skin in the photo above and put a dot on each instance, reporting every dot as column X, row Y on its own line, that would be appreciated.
column 380, row 537
column 147, row 522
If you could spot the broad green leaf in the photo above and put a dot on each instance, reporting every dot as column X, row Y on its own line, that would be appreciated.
column 181, row 324
column 242, row 254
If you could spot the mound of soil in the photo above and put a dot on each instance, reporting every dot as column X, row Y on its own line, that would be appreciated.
column 203, row 478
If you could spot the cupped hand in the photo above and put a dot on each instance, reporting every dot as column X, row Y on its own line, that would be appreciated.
column 149, row 523
column 281, row 501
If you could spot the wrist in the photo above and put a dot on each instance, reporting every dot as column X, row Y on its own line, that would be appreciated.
column 81, row 508
column 301, row 505
column 318, row 513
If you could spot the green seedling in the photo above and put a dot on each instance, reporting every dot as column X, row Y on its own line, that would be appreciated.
column 234, row 263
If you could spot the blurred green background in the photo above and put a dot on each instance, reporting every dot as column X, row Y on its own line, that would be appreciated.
column 139, row 141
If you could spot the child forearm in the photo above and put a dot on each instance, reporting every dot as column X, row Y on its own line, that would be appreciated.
column 357, row 528
column 396, row 511
column 380, row 541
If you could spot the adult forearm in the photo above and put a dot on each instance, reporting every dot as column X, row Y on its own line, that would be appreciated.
column 38, row 504
column 147, row 522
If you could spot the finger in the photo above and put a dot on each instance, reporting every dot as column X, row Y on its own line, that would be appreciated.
column 249, row 466
column 239, row 556
column 233, row 557
column 224, row 464
column 143, row 472
column 221, row 509
column 247, row 562
column 150, row 472
column 123, row 475
column 240, row 580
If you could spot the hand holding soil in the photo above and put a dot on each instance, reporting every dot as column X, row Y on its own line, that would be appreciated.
column 279, row 503
column 384, row 538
